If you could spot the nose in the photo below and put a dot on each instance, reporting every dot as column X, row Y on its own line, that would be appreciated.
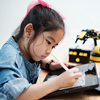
column 48, row 50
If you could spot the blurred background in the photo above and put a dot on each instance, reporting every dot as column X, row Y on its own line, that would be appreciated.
column 80, row 14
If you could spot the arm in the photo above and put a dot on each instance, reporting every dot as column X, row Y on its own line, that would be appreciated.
column 54, row 65
column 43, row 63
column 37, row 91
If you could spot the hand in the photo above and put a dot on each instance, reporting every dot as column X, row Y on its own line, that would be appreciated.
column 68, row 78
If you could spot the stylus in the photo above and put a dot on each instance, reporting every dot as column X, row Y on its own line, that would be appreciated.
column 59, row 61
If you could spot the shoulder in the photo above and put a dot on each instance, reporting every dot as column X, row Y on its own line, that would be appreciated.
column 8, row 53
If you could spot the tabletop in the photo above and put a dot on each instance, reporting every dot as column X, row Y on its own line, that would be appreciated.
column 83, row 95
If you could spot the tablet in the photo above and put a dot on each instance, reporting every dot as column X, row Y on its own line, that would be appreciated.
column 98, row 88
column 89, row 79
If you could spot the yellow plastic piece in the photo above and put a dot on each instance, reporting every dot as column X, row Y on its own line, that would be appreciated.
column 85, row 54
column 81, row 54
column 98, row 34
column 82, row 34
column 71, row 52
column 97, row 49
column 74, row 53
column 95, row 58
column 77, row 60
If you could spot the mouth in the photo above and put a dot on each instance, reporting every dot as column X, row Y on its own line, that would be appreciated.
column 44, row 57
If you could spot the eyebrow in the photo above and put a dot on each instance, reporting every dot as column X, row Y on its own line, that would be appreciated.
column 52, row 39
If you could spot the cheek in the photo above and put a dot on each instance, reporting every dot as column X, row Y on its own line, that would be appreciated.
column 39, row 49
column 36, row 49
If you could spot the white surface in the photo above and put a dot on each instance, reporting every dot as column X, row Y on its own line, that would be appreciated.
column 80, row 14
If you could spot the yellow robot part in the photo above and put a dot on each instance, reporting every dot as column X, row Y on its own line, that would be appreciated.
column 97, row 49
column 95, row 58
column 82, row 34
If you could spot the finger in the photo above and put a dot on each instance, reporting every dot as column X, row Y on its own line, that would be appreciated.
column 77, row 75
column 71, row 64
column 74, row 70
column 76, row 79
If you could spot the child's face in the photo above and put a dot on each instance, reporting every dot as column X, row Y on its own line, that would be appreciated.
column 43, row 45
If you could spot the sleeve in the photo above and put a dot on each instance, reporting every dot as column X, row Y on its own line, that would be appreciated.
column 12, row 81
column 13, row 88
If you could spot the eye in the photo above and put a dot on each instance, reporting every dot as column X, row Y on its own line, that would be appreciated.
column 48, row 42
column 53, row 47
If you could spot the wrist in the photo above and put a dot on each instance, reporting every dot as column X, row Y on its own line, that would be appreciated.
column 48, row 65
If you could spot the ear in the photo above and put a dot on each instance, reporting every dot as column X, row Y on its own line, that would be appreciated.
column 28, row 30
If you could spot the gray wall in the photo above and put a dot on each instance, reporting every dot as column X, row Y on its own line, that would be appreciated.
column 80, row 14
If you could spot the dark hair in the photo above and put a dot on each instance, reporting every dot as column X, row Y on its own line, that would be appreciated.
column 42, row 19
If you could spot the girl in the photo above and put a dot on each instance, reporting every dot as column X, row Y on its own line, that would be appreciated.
column 22, row 55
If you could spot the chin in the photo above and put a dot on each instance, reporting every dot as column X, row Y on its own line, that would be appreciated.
column 37, row 59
